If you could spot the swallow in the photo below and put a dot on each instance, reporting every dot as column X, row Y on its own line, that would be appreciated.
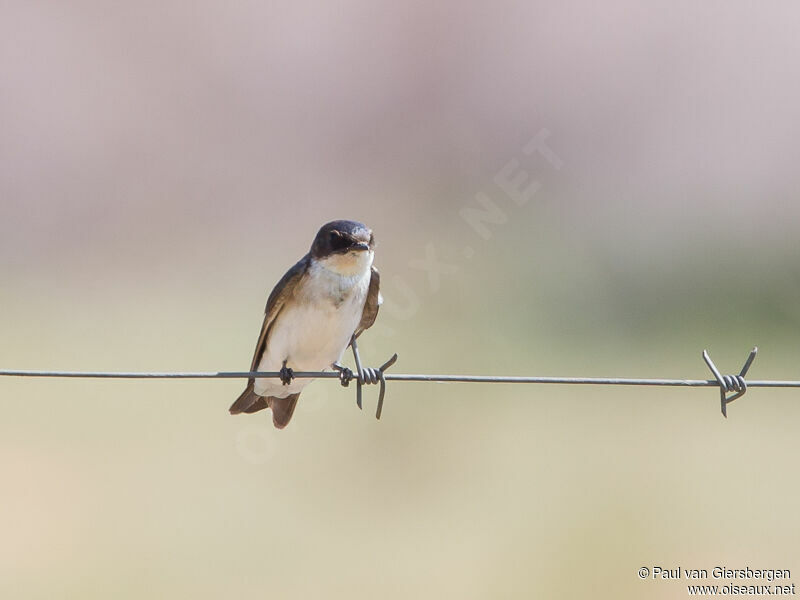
column 319, row 307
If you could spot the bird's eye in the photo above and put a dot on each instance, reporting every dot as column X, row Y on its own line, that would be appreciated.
column 337, row 241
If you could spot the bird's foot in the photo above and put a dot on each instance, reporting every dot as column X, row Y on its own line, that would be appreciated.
column 287, row 374
column 346, row 374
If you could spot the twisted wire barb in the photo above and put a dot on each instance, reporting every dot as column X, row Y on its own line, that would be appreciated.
column 730, row 383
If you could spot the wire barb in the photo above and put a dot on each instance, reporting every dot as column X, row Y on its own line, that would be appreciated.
column 369, row 376
column 374, row 376
column 728, row 384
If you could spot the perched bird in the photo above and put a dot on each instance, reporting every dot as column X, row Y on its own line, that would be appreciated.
column 320, row 305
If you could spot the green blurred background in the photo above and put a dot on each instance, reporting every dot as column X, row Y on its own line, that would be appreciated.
column 163, row 163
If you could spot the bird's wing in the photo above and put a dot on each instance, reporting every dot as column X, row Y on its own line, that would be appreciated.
column 372, row 304
column 280, row 294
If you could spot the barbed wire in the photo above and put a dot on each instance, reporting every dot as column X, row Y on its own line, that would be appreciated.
column 735, row 385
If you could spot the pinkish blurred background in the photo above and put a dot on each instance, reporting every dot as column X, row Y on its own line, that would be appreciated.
column 163, row 163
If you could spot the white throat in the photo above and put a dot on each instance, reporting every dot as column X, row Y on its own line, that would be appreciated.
column 351, row 264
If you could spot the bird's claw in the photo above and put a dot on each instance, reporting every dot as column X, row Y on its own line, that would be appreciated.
column 346, row 374
column 286, row 374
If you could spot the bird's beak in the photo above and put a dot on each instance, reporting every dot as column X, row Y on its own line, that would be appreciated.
column 360, row 246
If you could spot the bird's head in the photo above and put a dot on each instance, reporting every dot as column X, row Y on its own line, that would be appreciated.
column 346, row 247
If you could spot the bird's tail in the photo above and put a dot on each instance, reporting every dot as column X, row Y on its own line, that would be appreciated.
column 282, row 409
column 247, row 402
column 250, row 402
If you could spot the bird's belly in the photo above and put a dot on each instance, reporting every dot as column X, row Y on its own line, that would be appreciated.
column 309, row 336
column 310, row 339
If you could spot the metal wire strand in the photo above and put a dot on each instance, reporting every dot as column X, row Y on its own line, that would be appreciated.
column 727, row 384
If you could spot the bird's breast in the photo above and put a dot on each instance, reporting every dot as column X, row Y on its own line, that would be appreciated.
column 315, row 326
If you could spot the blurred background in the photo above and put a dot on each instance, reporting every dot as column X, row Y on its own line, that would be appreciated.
column 163, row 163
